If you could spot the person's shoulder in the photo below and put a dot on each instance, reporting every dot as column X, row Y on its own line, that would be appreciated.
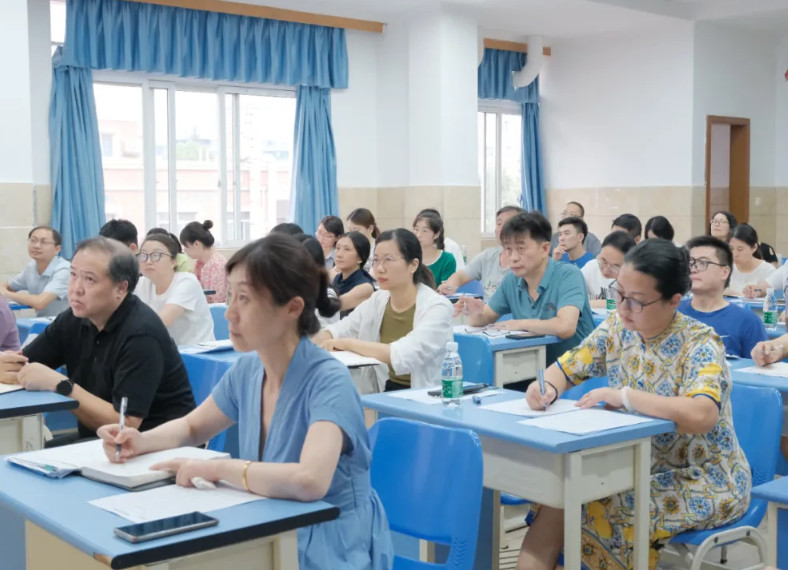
column 590, row 269
column 61, row 264
column 685, row 306
column 187, row 282
column 566, row 270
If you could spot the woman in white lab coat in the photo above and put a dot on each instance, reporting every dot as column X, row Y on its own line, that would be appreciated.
column 405, row 324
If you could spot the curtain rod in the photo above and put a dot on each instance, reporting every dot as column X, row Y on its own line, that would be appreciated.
column 511, row 46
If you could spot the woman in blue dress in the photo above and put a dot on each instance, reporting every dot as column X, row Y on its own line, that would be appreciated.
column 302, row 432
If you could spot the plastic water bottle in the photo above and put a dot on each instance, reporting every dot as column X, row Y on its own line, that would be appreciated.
column 451, row 376
column 610, row 299
column 770, row 311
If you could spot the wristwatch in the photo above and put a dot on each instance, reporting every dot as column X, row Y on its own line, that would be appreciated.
column 64, row 387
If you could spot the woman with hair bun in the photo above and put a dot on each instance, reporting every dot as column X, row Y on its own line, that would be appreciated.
column 198, row 241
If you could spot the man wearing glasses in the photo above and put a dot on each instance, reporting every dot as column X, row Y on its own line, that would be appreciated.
column 576, row 210
column 711, row 263
column 43, row 285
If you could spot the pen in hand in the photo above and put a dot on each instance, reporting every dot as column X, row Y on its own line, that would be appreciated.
column 124, row 401
column 540, row 376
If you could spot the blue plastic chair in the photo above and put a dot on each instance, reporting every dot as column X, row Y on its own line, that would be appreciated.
column 758, row 420
column 203, row 376
column 477, row 358
column 429, row 479
column 220, row 327
column 474, row 287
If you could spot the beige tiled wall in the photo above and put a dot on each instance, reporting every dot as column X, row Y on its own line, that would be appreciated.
column 781, row 220
column 396, row 207
column 763, row 217
column 24, row 205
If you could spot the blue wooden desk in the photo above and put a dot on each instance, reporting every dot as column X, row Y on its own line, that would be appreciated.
column 776, row 492
column 751, row 379
column 26, row 325
column 17, row 306
column 64, row 531
column 512, row 359
column 552, row 468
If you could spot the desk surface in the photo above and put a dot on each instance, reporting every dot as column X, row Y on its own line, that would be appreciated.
column 227, row 356
column 60, row 507
column 500, row 343
column 24, row 403
column 17, row 306
column 751, row 379
column 505, row 426
column 775, row 491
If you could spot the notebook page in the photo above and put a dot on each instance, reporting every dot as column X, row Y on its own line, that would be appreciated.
column 520, row 407
column 6, row 388
column 586, row 421
column 779, row 369
column 353, row 360
column 140, row 465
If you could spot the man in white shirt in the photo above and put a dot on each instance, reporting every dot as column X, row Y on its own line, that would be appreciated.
column 489, row 266
column 601, row 274
column 43, row 284
column 576, row 210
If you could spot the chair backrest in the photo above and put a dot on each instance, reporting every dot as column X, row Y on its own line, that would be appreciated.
column 221, row 329
column 758, row 421
column 203, row 377
column 577, row 392
column 474, row 287
column 429, row 479
column 476, row 356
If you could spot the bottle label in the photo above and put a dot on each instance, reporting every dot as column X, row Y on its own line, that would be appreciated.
column 610, row 305
column 452, row 388
column 770, row 317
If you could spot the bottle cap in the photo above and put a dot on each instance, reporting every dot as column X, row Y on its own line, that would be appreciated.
column 451, row 346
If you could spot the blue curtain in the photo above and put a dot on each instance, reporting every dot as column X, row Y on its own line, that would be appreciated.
column 495, row 82
column 314, row 191
column 77, row 174
column 134, row 36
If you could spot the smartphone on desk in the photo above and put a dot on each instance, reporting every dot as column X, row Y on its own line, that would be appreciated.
column 165, row 527
column 466, row 389
column 520, row 335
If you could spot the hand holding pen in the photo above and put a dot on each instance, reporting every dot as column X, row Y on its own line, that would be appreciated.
column 124, row 402
column 540, row 376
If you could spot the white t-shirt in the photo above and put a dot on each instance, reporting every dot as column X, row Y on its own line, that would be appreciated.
column 596, row 283
column 740, row 280
column 452, row 247
column 195, row 324
column 777, row 279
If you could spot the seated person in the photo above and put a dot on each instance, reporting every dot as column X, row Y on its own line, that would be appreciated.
column 769, row 352
column 571, row 235
column 449, row 245
column 576, row 210
column 405, row 324
column 362, row 220
column 329, row 312
column 209, row 264
column 489, row 266
column 123, row 231
column 543, row 296
column 629, row 223
column 722, row 224
column 111, row 344
column 352, row 282
column 769, row 255
column 748, row 267
column 9, row 332
column 328, row 231
column 183, row 261
column 601, row 275
column 176, row 296
column 659, row 227
column 43, row 285
column 301, row 424
column 676, row 371
column 710, row 265
column 428, row 228
column 777, row 280
column 288, row 228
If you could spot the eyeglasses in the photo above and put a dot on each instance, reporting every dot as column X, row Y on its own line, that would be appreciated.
column 719, row 222
column 603, row 263
column 155, row 257
column 566, row 214
column 36, row 241
column 702, row 264
column 633, row 305
column 388, row 260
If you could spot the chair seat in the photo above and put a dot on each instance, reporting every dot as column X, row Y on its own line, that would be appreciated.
column 752, row 517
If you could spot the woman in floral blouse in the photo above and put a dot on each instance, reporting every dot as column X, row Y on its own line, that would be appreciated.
column 662, row 364
column 197, row 241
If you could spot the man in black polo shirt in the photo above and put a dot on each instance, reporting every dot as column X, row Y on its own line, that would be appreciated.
column 112, row 345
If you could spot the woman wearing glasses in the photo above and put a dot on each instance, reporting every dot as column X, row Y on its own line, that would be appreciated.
column 176, row 296
column 663, row 364
column 602, row 274
column 722, row 224
column 405, row 324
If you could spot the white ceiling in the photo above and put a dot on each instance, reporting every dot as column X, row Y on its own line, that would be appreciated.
column 562, row 18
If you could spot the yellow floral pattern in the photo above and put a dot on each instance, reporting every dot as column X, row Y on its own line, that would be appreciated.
column 697, row 481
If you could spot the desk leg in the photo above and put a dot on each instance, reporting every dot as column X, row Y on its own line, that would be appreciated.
column 488, row 543
column 21, row 434
column 572, row 510
column 771, row 536
column 286, row 550
column 642, row 501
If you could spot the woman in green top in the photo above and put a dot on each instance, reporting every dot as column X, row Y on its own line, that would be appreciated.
column 428, row 228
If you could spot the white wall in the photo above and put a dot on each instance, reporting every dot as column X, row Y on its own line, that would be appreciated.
column 734, row 76
column 617, row 109
column 781, row 114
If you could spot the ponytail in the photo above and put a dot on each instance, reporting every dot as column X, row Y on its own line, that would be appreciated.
column 375, row 231
column 327, row 305
column 424, row 276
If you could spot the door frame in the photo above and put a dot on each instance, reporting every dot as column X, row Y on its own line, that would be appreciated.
column 739, row 180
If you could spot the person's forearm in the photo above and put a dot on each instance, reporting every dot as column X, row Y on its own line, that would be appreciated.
column 275, row 480
column 321, row 336
column 692, row 415
column 37, row 302
column 175, row 433
column 457, row 280
column 557, row 378
column 552, row 326
column 93, row 412
column 377, row 350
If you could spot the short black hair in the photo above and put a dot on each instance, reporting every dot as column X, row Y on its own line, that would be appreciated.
column 629, row 222
column 661, row 227
column 666, row 263
column 56, row 237
column 123, row 265
column 196, row 231
column 619, row 240
column 334, row 225
column 578, row 223
column 579, row 205
column 288, row 228
column 505, row 209
column 532, row 224
column 721, row 249
column 122, row 230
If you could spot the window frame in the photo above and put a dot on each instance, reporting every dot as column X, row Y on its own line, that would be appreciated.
column 498, row 107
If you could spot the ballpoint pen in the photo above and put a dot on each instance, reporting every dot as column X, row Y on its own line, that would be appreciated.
column 540, row 376
column 124, row 401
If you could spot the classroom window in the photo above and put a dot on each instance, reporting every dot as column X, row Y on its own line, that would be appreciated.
column 500, row 164
column 175, row 153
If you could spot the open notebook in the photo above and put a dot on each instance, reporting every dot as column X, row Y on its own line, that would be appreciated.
column 89, row 459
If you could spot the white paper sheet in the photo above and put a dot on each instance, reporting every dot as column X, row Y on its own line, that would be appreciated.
column 489, row 330
column 172, row 500
column 779, row 369
column 421, row 395
column 207, row 346
column 585, row 421
column 353, row 360
column 5, row 388
column 519, row 407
